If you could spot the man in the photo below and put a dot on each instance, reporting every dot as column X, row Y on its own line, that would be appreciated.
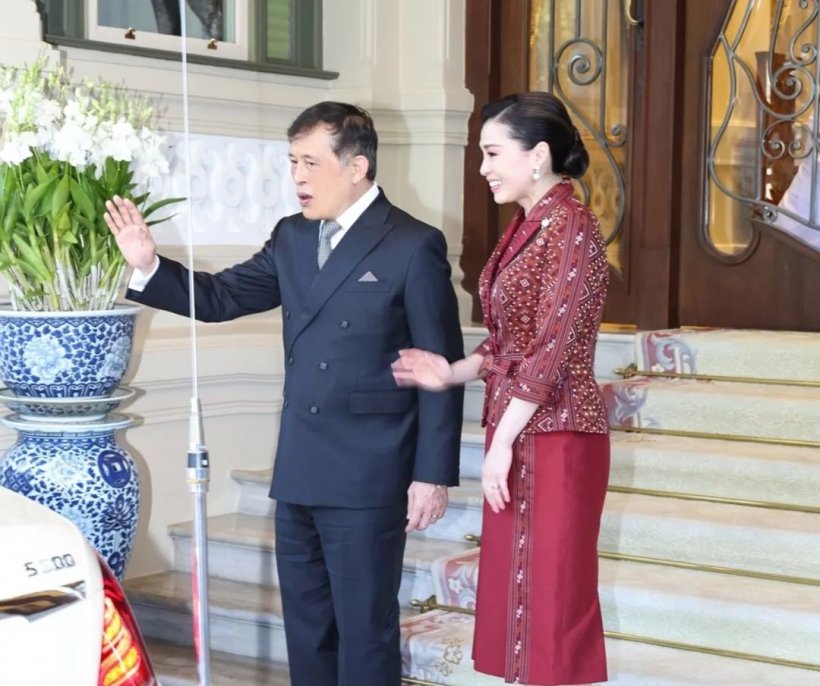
column 359, row 460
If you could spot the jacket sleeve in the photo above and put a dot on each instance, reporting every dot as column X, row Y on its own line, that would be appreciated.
column 432, row 317
column 560, row 312
column 246, row 288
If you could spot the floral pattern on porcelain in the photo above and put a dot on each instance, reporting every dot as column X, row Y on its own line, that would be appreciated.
column 84, row 475
column 116, row 359
column 58, row 355
column 46, row 358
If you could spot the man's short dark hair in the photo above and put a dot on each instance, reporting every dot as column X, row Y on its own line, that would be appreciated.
column 351, row 126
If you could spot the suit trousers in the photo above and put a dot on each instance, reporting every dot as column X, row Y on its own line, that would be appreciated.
column 339, row 573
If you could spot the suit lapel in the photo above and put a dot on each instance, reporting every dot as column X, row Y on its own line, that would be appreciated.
column 360, row 239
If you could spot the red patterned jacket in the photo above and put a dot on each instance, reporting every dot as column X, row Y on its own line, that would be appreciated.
column 543, row 292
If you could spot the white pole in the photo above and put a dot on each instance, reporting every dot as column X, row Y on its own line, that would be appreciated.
column 198, row 470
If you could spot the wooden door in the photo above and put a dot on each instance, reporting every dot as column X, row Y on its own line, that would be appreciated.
column 501, row 58
column 670, row 272
column 771, row 282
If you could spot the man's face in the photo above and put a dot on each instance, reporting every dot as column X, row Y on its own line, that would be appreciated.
column 325, row 185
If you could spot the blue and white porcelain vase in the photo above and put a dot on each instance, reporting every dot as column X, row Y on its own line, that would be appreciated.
column 65, row 354
column 78, row 470
column 61, row 371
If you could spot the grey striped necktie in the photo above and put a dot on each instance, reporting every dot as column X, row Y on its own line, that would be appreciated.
column 328, row 229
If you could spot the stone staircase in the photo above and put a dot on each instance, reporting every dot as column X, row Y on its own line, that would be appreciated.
column 710, row 548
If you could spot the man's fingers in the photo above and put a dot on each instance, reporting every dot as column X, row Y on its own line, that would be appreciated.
column 413, row 521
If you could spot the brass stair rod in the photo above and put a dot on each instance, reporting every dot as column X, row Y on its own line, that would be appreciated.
column 632, row 371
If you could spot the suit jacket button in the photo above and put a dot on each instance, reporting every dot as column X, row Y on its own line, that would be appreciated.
column 287, row 314
column 323, row 366
column 290, row 360
column 344, row 323
column 314, row 409
column 285, row 404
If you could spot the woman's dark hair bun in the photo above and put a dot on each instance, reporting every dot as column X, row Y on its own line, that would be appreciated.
column 537, row 116
column 577, row 158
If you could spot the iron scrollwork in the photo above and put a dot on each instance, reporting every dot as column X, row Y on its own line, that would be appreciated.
column 784, row 85
column 577, row 47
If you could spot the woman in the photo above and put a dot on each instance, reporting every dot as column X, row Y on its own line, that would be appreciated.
column 546, row 467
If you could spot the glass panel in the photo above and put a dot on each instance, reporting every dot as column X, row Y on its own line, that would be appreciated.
column 205, row 18
column 762, row 173
column 279, row 29
column 218, row 27
column 579, row 52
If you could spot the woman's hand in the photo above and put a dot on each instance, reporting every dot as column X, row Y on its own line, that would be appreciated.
column 423, row 369
column 495, row 474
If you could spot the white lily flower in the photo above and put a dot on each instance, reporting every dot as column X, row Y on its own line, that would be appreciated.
column 46, row 113
column 16, row 148
column 72, row 144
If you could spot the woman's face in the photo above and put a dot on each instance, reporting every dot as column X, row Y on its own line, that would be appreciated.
column 507, row 168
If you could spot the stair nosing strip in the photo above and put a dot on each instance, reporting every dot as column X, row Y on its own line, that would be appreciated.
column 716, row 436
column 679, row 495
column 714, row 569
column 629, row 373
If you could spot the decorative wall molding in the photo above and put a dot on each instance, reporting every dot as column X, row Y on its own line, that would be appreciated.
column 240, row 189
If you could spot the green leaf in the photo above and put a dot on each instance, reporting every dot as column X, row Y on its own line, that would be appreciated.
column 148, row 211
column 35, row 194
column 82, row 199
column 60, row 197
column 41, row 173
column 11, row 215
column 31, row 261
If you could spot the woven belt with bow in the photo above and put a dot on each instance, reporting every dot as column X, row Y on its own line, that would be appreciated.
column 504, row 365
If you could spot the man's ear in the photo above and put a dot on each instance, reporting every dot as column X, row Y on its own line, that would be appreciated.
column 359, row 166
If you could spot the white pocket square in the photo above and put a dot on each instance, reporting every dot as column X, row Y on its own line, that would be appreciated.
column 369, row 277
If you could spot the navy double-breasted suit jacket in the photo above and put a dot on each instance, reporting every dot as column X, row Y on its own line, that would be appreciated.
column 349, row 436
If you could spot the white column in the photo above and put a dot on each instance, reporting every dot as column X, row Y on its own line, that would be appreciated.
column 20, row 32
column 404, row 61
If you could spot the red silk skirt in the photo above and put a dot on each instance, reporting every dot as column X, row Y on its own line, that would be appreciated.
column 538, row 618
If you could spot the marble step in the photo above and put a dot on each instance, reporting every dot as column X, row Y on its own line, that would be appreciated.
column 176, row 665
column 255, row 483
column 241, row 549
column 695, row 466
column 472, row 450
column 473, row 401
column 245, row 619
column 756, row 539
column 436, row 647
column 781, row 355
column 773, row 619
column 752, row 539
column 711, row 407
column 728, row 469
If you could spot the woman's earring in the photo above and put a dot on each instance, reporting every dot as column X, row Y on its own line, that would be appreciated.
column 536, row 174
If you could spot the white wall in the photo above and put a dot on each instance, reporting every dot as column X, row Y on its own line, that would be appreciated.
column 240, row 187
